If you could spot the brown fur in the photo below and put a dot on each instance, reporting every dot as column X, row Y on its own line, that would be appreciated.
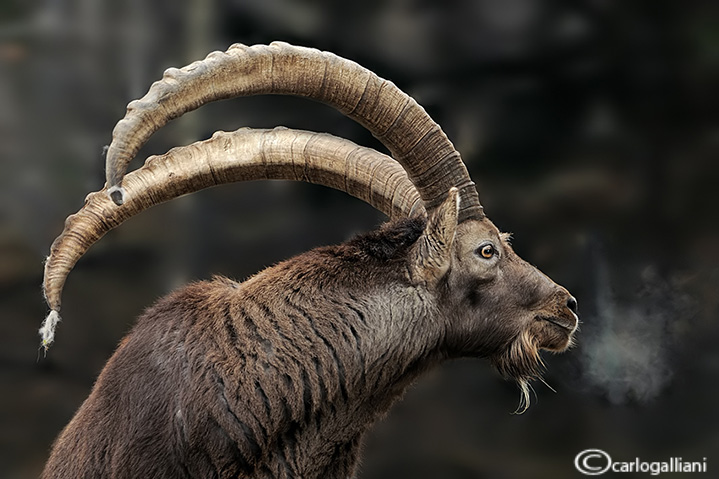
column 281, row 375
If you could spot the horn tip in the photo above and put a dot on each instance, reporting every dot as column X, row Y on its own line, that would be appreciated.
column 117, row 194
column 47, row 330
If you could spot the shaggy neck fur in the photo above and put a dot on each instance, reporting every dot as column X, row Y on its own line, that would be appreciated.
column 216, row 382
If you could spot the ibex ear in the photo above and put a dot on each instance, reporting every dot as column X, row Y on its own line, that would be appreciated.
column 433, row 251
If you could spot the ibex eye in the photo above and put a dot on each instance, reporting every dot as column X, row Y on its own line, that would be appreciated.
column 487, row 251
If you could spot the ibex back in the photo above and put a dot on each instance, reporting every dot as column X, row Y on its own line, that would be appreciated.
column 281, row 375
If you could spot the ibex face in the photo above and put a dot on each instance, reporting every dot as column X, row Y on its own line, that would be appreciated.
column 489, row 284
column 495, row 304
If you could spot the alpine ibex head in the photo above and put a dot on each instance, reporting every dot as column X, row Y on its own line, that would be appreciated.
column 280, row 375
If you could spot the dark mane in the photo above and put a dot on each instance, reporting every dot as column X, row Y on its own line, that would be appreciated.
column 390, row 241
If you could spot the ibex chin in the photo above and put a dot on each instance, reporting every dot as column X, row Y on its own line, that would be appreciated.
column 281, row 375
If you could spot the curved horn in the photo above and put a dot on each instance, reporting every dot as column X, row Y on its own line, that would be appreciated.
column 393, row 117
column 225, row 158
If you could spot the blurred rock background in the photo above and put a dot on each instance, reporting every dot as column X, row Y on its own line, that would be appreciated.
column 590, row 127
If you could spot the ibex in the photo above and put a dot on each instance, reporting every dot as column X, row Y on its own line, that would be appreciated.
column 281, row 375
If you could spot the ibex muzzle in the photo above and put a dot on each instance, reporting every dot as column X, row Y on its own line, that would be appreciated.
column 281, row 375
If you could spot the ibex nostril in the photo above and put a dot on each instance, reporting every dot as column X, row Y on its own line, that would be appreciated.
column 572, row 304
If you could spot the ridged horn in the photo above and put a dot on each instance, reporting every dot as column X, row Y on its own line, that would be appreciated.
column 392, row 116
column 242, row 155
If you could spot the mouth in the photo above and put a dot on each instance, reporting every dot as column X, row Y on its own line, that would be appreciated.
column 567, row 325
